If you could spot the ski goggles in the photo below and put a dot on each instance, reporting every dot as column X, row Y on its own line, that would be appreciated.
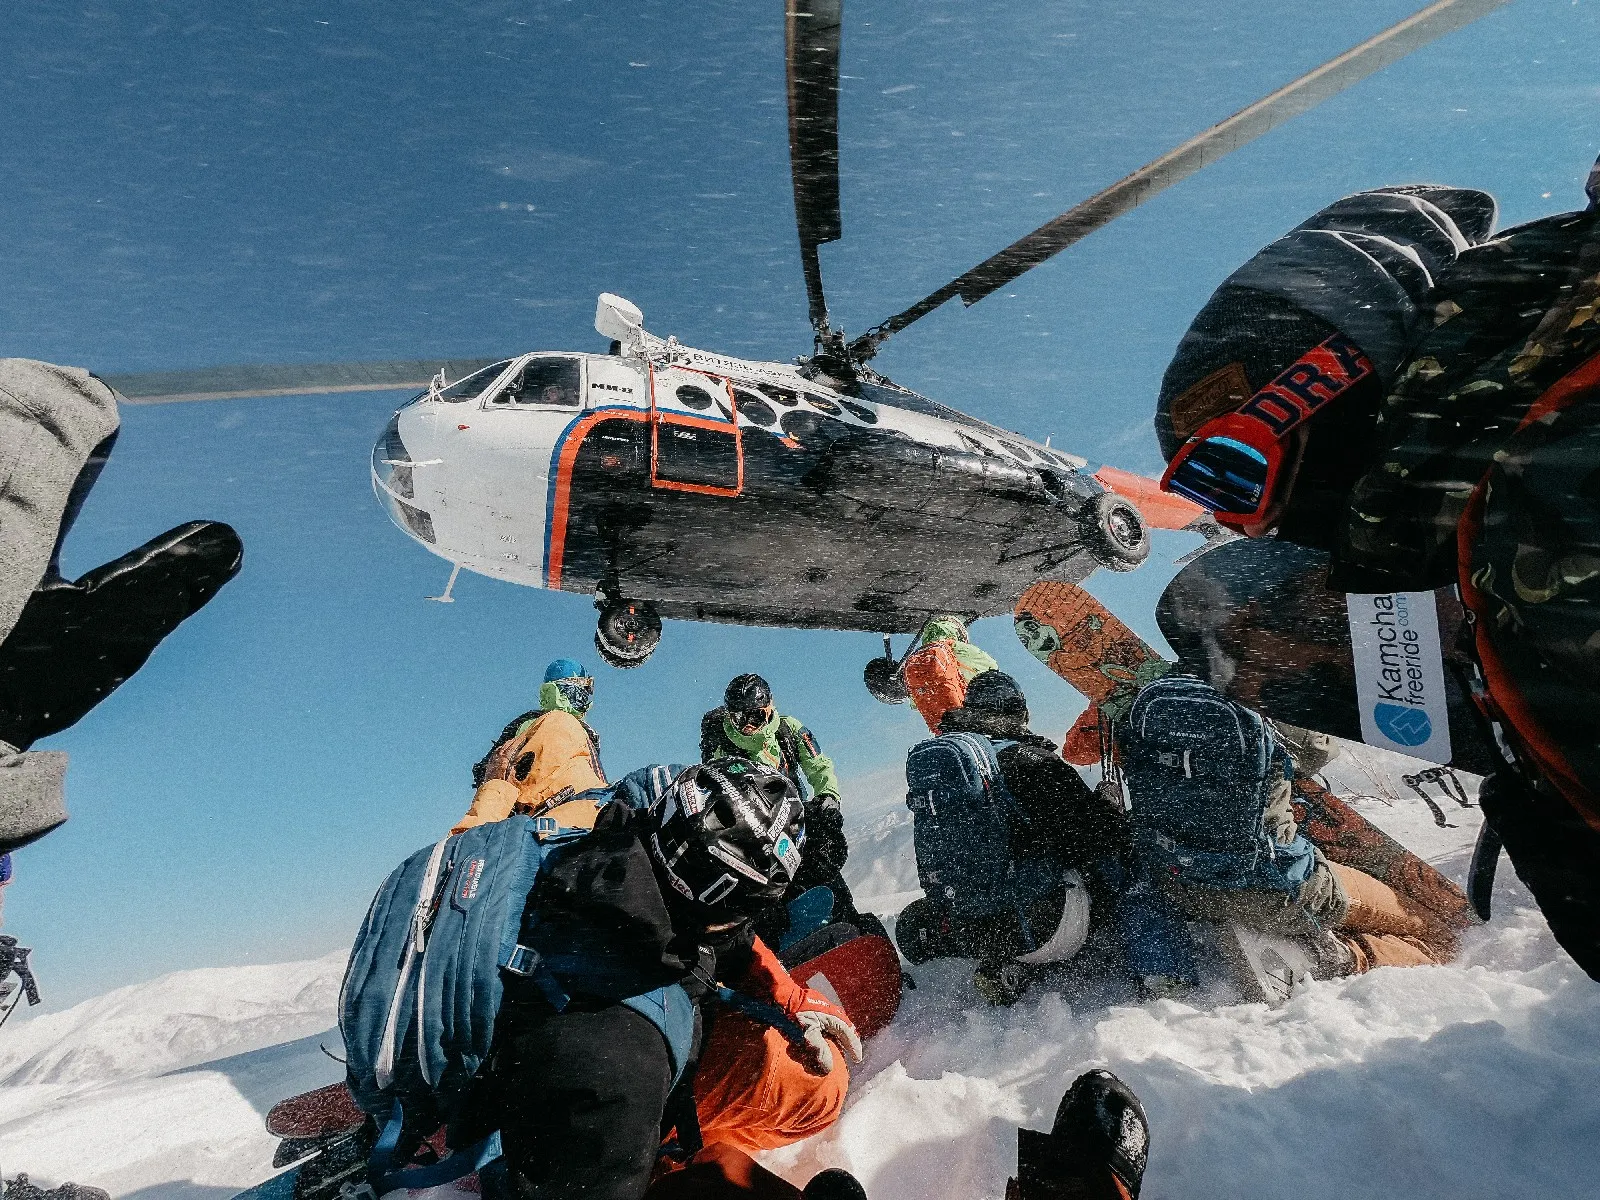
column 578, row 692
column 749, row 722
column 1237, row 464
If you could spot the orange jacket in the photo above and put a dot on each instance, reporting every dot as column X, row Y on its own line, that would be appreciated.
column 552, row 753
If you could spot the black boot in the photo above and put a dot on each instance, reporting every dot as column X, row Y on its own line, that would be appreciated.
column 1100, row 1132
column 834, row 1184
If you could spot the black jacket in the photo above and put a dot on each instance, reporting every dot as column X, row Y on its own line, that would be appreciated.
column 1060, row 815
column 605, row 928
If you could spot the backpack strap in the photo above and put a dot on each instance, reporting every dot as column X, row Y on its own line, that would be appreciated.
column 789, row 748
column 416, row 944
column 384, row 1177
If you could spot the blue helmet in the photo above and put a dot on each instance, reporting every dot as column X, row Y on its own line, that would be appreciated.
column 565, row 668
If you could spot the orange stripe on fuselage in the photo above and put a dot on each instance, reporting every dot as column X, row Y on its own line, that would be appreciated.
column 561, row 502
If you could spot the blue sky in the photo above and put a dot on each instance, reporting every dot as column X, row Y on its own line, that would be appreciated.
column 189, row 185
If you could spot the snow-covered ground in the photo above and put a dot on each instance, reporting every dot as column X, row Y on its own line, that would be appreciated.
column 1472, row 1080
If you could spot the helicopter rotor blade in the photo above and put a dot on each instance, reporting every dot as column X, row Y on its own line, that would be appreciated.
column 1266, row 114
column 291, row 379
column 811, row 49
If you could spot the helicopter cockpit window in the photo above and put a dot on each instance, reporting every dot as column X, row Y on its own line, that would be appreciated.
column 473, row 385
column 549, row 381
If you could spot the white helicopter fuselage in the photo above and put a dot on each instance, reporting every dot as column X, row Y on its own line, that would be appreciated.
column 486, row 472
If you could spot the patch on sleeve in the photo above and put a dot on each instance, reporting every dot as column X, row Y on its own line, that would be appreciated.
column 1222, row 391
column 786, row 852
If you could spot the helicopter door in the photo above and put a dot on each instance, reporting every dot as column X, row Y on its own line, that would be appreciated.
column 694, row 438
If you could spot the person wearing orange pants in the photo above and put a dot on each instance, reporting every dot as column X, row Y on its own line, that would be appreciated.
column 756, row 1091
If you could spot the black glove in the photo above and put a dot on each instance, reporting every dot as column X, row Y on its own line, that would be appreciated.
column 75, row 642
column 825, row 840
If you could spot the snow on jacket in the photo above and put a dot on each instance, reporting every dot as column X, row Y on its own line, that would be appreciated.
column 546, row 753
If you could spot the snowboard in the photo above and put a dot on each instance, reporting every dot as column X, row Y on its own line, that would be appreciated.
column 337, row 1171
column 861, row 975
column 1350, row 840
column 319, row 1114
column 1083, row 642
column 1341, row 833
column 1256, row 619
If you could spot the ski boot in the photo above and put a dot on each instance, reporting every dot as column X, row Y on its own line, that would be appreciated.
column 834, row 1184
column 1002, row 984
column 1096, row 1150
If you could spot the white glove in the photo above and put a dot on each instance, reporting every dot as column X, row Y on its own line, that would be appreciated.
column 823, row 1020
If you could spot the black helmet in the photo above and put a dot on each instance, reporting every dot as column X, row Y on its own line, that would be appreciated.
column 728, row 836
column 747, row 693
column 996, row 692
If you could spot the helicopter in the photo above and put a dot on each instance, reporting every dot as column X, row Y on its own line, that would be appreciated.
column 668, row 481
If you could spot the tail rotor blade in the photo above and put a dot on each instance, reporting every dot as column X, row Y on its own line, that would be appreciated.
column 1266, row 114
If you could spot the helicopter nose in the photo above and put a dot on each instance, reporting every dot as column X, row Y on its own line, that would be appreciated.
column 394, row 482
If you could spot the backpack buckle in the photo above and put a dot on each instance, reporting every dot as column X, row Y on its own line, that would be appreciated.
column 524, row 961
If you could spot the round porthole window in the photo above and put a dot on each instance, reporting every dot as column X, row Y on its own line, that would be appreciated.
column 754, row 409
column 693, row 397
column 778, row 395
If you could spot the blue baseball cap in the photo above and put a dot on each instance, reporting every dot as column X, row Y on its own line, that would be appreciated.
column 565, row 668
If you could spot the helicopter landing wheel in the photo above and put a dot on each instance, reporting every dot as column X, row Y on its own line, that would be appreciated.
column 628, row 632
column 1115, row 532
column 884, row 682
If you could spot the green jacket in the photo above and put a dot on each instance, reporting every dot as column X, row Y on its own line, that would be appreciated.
column 804, row 758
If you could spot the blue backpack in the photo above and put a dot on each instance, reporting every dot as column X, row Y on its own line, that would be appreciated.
column 426, row 975
column 1200, row 770
column 962, row 818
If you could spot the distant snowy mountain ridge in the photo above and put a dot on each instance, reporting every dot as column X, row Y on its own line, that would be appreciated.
column 176, row 1021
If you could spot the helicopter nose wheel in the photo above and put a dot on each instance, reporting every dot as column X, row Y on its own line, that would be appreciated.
column 1115, row 532
column 627, row 633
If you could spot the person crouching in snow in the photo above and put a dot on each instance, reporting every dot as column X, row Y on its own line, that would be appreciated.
column 544, row 756
column 662, row 891
column 748, row 725
column 1209, row 785
column 1008, row 871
